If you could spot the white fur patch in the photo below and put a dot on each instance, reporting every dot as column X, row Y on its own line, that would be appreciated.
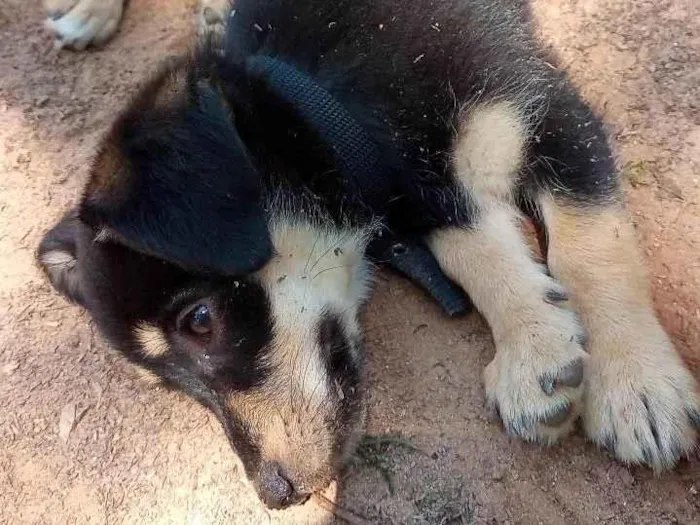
column 489, row 148
column 315, row 271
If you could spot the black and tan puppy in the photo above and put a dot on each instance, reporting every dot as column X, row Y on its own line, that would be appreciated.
column 220, row 242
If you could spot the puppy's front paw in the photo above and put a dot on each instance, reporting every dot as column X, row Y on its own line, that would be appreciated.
column 535, row 382
column 642, row 406
column 79, row 23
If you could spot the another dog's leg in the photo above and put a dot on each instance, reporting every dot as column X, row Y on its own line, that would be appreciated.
column 212, row 15
column 535, row 380
column 79, row 23
column 641, row 401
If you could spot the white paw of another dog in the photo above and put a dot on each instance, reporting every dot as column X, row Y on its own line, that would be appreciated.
column 80, row 23
column 645, row 409
column 211, row 16
column 535, row 381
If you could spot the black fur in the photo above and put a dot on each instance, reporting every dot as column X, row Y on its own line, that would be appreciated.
column 187, row 189
column 404, row 77
column 183, row 192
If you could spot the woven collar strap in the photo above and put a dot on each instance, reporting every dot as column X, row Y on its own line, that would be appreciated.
column 354, row 152
column 359, row 163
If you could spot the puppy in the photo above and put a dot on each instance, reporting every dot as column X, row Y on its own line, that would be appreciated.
column 221, row 240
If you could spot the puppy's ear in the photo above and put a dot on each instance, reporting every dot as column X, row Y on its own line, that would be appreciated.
column 174, row 180
column 58, row 256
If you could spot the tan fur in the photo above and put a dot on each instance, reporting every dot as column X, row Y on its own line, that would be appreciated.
column 108, row 171
column 151, row 340
column 491, row 260
column 173, row 87
column 291, row 415
column 635, row 377
column 489, row 149
column 291, row 432
column 145, row 377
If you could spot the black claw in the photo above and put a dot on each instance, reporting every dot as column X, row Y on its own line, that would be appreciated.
column 497, row 410
column 555, row 297
column 519, row 426
column 547, row 383
column 512, row 427
column 572, row 374
column 582, row 339
column 652, row 423
column 647, row 452
column 558, row 416
column 694, row 416
column 655, row 433
column 609, row 442
column 54, row 15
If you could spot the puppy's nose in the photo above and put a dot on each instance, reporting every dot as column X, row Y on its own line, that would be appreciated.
column 276, row 491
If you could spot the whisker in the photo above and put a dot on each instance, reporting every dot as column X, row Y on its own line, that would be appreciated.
column 331, row 268
column 311, row 252
column 338, row 243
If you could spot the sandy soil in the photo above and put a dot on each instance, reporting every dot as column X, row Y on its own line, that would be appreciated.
column 82, row 441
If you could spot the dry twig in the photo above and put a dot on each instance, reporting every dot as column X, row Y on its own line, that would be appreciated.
column 338, row 511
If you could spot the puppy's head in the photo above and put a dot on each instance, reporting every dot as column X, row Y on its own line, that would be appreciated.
column 192, row 269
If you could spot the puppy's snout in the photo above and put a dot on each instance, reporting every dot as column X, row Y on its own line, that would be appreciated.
column 275, row 488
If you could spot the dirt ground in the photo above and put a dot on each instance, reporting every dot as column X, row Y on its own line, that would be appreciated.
column 82, row 441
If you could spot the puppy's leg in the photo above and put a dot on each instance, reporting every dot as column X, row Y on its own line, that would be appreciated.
column 641, row 402
column 79, row 23
column 535, row 380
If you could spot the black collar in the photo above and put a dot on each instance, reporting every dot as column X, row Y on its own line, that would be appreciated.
column 355, row 154
column 363, row 171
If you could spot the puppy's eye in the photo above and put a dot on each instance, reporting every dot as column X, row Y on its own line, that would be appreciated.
column 196, row 320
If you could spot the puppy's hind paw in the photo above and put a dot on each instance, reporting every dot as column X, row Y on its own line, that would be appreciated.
column 643, row 412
